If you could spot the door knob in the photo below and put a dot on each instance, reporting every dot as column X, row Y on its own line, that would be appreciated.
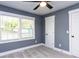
column 73, row 36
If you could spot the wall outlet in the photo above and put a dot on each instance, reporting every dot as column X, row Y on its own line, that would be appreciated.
column 35, row 41
column 59, row 45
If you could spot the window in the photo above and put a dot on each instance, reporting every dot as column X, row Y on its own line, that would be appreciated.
column 27, row 28
column 9, row 27
column 12, row 27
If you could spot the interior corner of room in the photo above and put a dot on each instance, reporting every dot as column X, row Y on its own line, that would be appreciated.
column 46, row 30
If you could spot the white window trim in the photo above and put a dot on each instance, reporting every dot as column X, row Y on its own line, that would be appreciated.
column 20, row 16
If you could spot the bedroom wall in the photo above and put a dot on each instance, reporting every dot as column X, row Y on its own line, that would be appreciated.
column 38, row 31
column 61, row 26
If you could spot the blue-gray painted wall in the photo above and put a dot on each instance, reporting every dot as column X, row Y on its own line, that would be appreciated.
column 38, row 31
column 61, row 26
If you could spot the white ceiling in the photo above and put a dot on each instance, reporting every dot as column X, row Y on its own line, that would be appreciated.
column 28, row 6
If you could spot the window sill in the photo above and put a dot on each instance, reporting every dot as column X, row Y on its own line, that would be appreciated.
column 15, row 40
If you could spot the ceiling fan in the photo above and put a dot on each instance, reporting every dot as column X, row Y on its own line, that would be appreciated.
column 42, row 4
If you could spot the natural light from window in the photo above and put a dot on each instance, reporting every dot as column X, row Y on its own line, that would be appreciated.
column 16, row 28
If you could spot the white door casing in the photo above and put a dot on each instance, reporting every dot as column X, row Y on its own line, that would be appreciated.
column 49, row 31
column 74, row 32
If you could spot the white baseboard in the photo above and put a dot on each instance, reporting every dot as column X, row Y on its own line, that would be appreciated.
column 19, row 49
column 60, row 50
column 28, row 47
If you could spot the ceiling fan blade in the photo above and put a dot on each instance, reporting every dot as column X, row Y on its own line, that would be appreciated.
column 36, row 7
column 49, row 6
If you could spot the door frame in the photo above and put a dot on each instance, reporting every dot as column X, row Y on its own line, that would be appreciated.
column 70, row 30
column 54, row 29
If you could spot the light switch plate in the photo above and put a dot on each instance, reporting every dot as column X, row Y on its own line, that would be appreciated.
column 67, row 32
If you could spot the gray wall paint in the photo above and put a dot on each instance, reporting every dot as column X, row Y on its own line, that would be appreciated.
column 61, row 25
column 24, row 43
column 43, row 29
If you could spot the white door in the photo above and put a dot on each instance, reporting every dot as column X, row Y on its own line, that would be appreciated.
column 74, row 32
column 49, row 31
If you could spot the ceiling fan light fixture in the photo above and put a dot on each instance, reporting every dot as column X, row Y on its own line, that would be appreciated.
column 42, row 4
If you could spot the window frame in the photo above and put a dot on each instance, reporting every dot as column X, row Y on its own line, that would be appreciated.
column 20, row 17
